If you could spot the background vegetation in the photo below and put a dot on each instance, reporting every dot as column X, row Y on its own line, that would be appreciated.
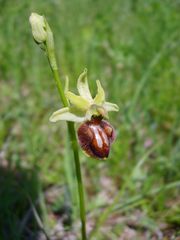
column 133, row 48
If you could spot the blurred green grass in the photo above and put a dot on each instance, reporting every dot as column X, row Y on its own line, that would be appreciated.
column 133, row 48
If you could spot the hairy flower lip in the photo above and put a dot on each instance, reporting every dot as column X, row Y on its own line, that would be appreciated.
column 95, row 137
column 83, row 106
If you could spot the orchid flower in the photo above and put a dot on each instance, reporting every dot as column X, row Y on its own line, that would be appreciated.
column 83, row 106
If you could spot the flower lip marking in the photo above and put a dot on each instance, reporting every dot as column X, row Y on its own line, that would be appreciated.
column 97, row 135
column 93, row 138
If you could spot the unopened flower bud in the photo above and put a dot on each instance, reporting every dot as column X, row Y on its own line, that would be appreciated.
column 38, row 27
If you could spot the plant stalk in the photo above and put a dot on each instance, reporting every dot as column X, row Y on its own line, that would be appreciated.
column 74, row 145
column 44, row 37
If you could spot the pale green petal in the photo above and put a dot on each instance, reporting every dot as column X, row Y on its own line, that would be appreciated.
column 65, row 114
column 66, row 89
column 110, row 107
column 100, row 96
column 96, row 110
column 91, row 111
column 83, row 87
column 78, row 101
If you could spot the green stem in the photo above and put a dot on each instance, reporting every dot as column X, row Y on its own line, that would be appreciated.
column 74, row 144
column 59, row 87
column 79, row 179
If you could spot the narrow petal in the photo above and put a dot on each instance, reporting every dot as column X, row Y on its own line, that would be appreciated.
column 66, row 89
column 96, row 110
column 100, row 96
column 65, row 114
column 110, row 107
column 83, row 87
column 78, row 101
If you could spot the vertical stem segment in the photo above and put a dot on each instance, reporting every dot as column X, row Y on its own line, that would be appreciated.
column 79, row 179
column 74, row 144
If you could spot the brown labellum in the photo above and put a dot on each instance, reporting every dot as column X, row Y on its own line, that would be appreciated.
column 95, row 137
